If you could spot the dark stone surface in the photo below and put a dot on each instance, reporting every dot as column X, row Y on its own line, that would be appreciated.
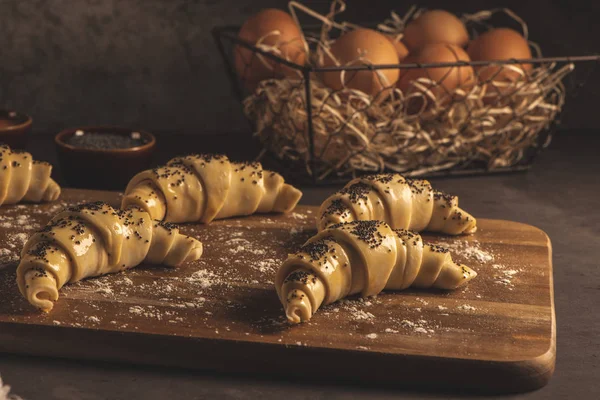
column 152, row 64
column 559, row 195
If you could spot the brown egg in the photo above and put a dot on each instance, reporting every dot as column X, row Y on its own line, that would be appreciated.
column 499, row 44
column 249, row 66
column 435, row 26
column 375, row 48
column 445, row 78
column 401, row 49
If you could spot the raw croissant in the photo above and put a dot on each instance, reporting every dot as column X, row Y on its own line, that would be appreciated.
column 23, row 179
column 95, row 239
column 206, row 187
column 362, row 257
column 402, row 203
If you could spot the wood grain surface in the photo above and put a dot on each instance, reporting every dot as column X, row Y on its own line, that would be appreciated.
column 221, row 312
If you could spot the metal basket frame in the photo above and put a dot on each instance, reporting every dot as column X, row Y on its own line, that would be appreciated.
column 229, row 33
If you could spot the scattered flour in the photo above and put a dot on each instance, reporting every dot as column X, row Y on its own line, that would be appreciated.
column 103, row 286
column 149, row 312
column 240, row 248
column 20, row 221
column 22, row 226
column 505, row 276
column 204, row 278
column 362, row 315
column 469, row 249
column 466, row 307
column 18, row 239
column 419, row 326
column 355, row 308
column 192, row 290
column 11, row 251
column 197, row 303
column 268, row 265
column 136, row 310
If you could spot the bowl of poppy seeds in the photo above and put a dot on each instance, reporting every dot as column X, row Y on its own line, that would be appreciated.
column 14, row 127
column 103, row 157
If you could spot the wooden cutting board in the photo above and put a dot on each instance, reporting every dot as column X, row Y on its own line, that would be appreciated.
column 221, row 313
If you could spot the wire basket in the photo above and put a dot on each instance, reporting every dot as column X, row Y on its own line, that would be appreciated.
column 315, row 134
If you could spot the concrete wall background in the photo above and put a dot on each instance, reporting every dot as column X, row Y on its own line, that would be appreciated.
column 153, row 64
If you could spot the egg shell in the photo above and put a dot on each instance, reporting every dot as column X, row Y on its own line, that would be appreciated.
column 499, row 44
column 435, row 26
column 250, row 69
column 448, row 78
column 378, row 50
column 401, row 48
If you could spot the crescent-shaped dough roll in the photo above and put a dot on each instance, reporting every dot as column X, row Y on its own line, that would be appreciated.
column 402, row 203
column 207, row 187
column 362, row 257
column 24, row 179
column 95, row 239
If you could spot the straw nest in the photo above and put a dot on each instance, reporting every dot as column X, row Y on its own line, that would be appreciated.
column 494, row 123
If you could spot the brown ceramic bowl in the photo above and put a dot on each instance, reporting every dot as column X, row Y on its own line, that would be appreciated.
column 14, row 127
column 109, row 169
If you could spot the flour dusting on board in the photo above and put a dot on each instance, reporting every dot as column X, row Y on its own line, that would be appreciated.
column 170, row 295
column 356, row 309
column 233, row 282
column 17, row 221
column 504, row 276
column 10, row 252
column 469, row 250
column 204, row 278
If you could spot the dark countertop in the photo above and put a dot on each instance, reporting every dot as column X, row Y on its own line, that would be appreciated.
column 559, row 195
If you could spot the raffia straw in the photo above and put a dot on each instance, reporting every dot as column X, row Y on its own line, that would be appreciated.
column 485, row 15
column 355, row 132
column 395, row 24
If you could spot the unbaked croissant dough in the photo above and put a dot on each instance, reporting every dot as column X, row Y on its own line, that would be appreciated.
column 206, row 187
column 363, row 257
column 23, row 179
column 402, row 203
column 95, row 239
